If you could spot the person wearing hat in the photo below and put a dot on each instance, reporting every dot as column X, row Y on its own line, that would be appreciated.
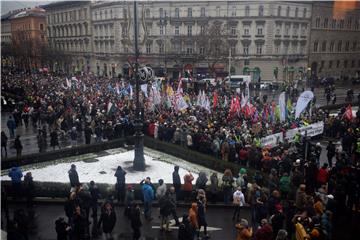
column 73, row 176
column 244, row 232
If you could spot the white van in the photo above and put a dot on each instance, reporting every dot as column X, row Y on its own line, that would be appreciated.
column 236, row 80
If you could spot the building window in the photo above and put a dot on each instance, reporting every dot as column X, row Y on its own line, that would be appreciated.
column 247, row 11
column 287, row 29
column 202, row 12
column 233, row 50
column 349, row 23
column 233, row 12
column 317, row 22
column 246, row 31
column 258, row 49
column 147, row 13
column 295, row 31
column 288, row 11
column 161, row 48
column 189, row 12
column 161, row 13
column 177, row 31
column 279, row 11
column 322, row 64
column 353, row 63
column 316, row 45
column 41, row 27
column 339, row 46
column 296, row 12
column 124, row 13
column 323, row 47
column 326, row 23
column 277, row 31
column 161, row 30
column 338, row 63
column 148, row 48
column 303, row 30
column 277, row 49
column 357, row 24
column 347, row 46
column 189, row 30
column 189, row 49
column 202, row 50
column 218, row 11
column 341, row 24
column 124, row 31
column 260, row 31
column 233, row 31
column 354, row 46
column 345, row 63
column 304, row 13
column 333, row 23
column 177, row 13
column 246, row 50
column 202, row 29
column 261, row 11
column 330, row 64
column 246, row 62
column 332, row 44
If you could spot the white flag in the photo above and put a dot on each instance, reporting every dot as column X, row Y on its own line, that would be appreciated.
column 302, row 102
column 144, row 89
column 282, row 106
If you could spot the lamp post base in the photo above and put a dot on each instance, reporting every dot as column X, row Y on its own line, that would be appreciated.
column 139, row 160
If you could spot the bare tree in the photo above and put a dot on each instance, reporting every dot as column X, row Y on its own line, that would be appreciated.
column 214, row 41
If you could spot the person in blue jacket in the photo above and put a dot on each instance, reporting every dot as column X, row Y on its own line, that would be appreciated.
column 11, row 126
column 16, row 174
column 148, row 193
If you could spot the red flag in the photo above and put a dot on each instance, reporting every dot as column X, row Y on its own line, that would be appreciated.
column 215, row 99
column 348, row 113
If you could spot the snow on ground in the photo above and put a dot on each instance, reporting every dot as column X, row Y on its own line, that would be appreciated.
column 102, row 169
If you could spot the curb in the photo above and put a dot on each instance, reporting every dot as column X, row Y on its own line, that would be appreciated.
column 44, row 200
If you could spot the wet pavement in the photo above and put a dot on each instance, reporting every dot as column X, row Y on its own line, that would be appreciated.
column 220, row 224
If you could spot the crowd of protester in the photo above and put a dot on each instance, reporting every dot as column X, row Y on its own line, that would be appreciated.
column 290, row 194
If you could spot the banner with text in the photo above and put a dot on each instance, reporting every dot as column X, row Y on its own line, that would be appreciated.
column 272, row 140
column 310, row 130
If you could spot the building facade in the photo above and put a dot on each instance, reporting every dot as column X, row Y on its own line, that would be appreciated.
column 28, row 37
column 266, row 39
column 335, row 42
column 69, row 32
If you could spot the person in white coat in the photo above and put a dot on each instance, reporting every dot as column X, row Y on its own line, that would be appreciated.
column 238, row 201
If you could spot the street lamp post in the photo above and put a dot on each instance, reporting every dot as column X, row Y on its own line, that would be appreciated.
column 139, row 161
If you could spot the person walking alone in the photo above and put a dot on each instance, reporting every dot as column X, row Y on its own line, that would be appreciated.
column 73, row 176
column 4, row 140
column 148, row 193
column 18, row 146
column 120, row 184
column 108, row 220
column 238, row 201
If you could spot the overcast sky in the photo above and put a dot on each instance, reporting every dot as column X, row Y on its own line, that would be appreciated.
column 7, row 5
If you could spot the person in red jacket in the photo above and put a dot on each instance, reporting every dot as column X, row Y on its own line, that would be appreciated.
column 323, row 175
column 243, row 155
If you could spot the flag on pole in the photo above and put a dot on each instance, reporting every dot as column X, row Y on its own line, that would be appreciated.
column 179, row 88
column 110, row 108
column 68, row 83
column 348, row 113
column 117, row 88
column 282, row 107
column 144, row 89
column 215, row 99
column 207, row 105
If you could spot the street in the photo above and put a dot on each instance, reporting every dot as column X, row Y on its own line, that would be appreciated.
column 220, row 224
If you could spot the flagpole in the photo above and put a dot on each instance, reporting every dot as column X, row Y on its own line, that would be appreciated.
column 139, row 160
